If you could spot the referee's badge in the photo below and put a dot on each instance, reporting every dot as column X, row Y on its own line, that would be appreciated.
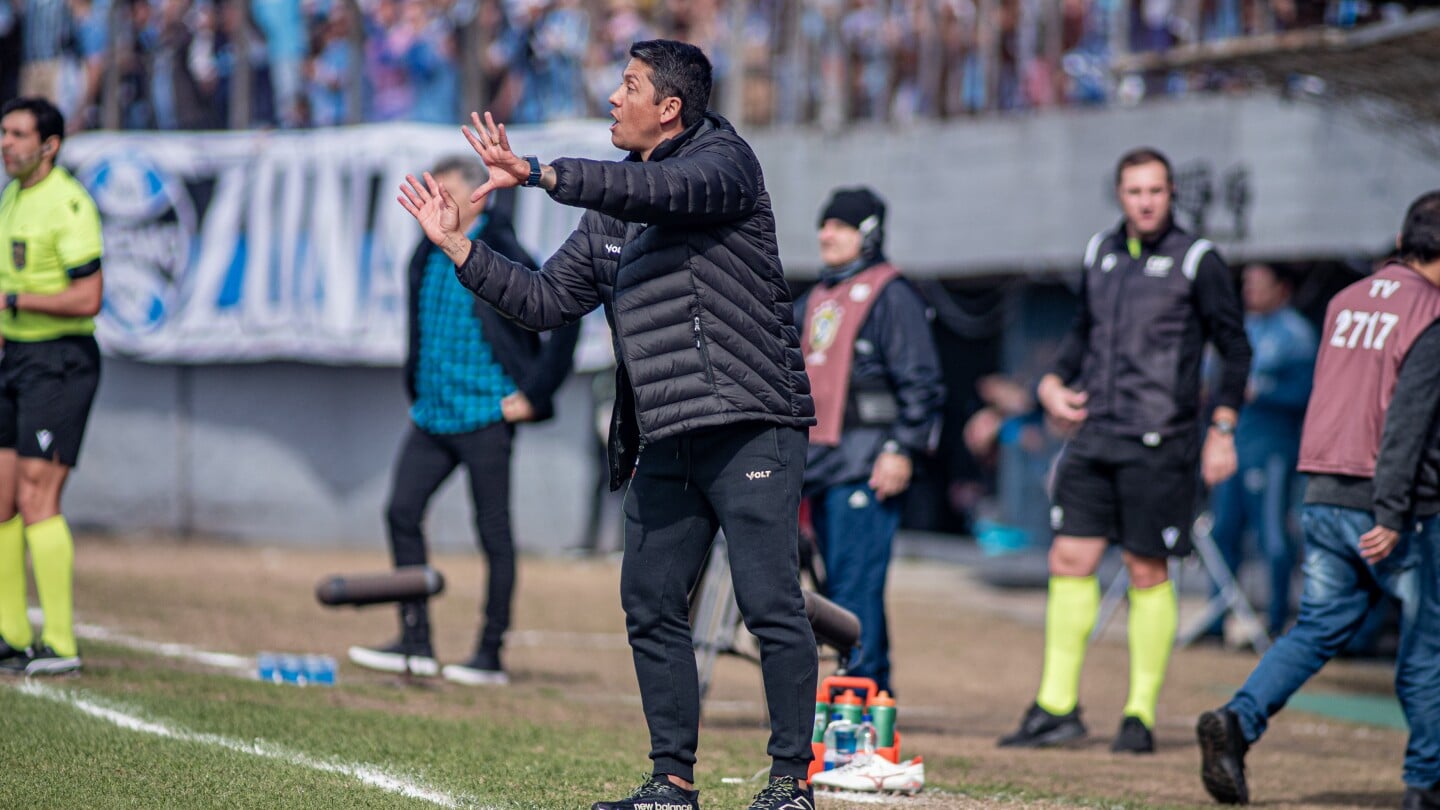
column 17, row 253
column 824, row 328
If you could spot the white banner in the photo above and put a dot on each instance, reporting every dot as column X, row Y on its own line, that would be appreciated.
column 251, row 246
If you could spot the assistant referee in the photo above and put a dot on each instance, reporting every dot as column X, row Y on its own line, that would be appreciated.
column 50, row 249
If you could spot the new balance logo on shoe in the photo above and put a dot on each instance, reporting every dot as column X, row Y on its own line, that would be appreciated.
column 663, row 806
column 755, row 474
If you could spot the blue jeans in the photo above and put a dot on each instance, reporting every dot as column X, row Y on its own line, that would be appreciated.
column 1258, row 498
column 855, row 532
column 1340, row 588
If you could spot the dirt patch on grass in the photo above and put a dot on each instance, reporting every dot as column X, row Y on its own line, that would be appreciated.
column 967, row 661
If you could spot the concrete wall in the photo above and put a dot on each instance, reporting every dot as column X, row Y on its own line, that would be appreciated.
column 1026, row 192
column 299, row 453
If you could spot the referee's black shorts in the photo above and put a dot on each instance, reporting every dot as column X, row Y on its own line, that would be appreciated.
column 46, row 390
column 1136, row 493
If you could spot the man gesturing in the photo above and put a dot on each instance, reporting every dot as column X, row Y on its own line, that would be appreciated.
column 678, row 245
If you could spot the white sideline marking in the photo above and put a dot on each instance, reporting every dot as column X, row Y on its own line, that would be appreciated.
column 241, row 664
column 367, row 774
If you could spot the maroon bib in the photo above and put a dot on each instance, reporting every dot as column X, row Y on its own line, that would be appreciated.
column 1369, row 328
column 833, row 317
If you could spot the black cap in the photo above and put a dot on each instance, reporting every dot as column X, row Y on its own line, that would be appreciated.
column 854, row 206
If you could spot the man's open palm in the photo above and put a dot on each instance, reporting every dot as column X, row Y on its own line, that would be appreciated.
column 432, row 206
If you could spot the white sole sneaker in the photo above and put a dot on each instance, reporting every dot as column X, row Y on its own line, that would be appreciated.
column 393, row 662
column 53, row 666
column 875, row 774
column 455, row 673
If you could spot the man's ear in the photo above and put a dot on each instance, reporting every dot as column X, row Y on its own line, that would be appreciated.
column 670, row 109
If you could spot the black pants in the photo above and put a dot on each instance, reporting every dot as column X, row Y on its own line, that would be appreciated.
column 426, row 460
column 746, row 480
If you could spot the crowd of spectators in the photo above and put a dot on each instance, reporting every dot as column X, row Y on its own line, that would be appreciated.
column 207, row 64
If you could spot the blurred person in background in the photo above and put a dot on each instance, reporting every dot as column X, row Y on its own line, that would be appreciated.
column 44, row 30
column 283, row 27
column 875, row 377
column 430, row 63
column 1267, row 438
column 391, row 96
column 1371, row 448
column 678, row 245
column 472, row 376
column 1127, row 380
column 330, row 69
column 51, row 282
column 10, row 49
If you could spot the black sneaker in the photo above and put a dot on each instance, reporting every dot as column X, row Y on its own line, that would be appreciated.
column 784, row 793
column 1134, row 737
column 1421, row 798
column 1222, row 756
column 12, row 660
column 397, row 657
column 483, row 669
column 1040, row 728
column 45, row 661
column 657, row 793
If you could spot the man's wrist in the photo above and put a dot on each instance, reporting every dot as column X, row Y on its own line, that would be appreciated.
column 457, row 247
column 548, row 178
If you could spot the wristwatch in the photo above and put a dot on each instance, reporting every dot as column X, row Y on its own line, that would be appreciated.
column 11, row 301
column 1225, row 427
column 534, row 178
column 892, row 446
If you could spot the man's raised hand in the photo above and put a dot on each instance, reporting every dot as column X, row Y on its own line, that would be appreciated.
column 490, row 142
column 432, row 206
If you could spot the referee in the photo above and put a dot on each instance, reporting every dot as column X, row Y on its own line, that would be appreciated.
column 1128, row 377
column 50, row 279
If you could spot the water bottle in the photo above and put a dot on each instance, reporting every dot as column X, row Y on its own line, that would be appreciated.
column 882, row 708
column 292, row 669
column 865, row 737
column 267, row 667
column 822, row 715
column 840, row 739
column 319, row 670
column 850, row 706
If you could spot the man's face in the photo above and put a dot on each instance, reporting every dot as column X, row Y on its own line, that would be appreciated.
column 1262, row 291
column 637, row 111
column 20, row 145
column 839, row 242
column 1144, row 193
column 454, row 182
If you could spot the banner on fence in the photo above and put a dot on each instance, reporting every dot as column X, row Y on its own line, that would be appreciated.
column 254, row 246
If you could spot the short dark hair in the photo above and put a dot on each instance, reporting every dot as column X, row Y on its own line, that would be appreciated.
column 468, row 167
column 1141, row 156
column 677, row 69
column 1420, row 235
column 49, row 121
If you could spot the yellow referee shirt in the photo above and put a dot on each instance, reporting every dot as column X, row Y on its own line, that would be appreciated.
column 49, row 236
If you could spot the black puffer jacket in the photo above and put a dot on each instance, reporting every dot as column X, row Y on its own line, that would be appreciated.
column 1140, row 333
column 680, row 250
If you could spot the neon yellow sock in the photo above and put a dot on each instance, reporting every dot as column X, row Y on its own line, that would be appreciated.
column 52, row 555
column 1154, row 615
column 14, row 623
column 1070, row 614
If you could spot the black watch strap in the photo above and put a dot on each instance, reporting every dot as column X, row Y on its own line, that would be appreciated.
column 534, row 178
